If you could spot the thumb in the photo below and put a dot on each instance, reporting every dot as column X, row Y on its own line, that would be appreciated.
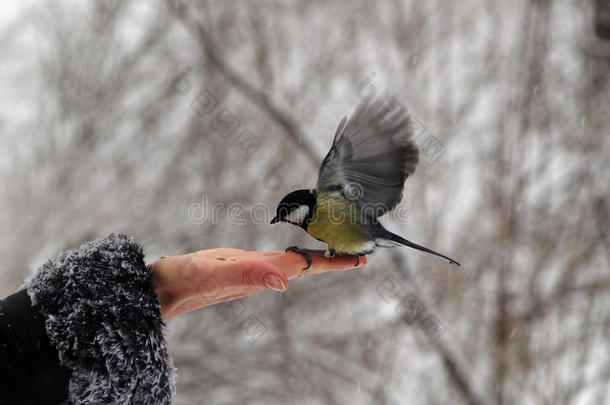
column 254, row 273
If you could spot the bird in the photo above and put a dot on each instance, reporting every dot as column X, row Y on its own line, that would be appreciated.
column 361, row 179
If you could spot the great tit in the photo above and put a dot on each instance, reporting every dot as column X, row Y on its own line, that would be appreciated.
column 361, row 178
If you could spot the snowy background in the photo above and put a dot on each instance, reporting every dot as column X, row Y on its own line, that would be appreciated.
column 180, row 123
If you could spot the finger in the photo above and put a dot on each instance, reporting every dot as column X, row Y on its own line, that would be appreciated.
column 220, row 252
column 293, row 263
column 252, row 273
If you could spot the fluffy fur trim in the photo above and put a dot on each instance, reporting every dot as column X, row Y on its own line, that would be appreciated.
column 103, row 317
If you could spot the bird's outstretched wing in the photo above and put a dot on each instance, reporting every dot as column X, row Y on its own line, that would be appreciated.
column 372, row 155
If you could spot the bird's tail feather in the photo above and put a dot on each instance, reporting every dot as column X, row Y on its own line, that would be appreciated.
column 394, row 240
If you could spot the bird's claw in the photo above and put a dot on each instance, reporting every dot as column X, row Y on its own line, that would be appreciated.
column 303, row 252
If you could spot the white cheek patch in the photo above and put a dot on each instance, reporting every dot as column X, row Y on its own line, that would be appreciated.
column 298, row 215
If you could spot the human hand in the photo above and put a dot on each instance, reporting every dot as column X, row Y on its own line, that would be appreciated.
column 191, row 281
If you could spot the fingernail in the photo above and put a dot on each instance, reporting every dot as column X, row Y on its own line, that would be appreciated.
column 274, row 282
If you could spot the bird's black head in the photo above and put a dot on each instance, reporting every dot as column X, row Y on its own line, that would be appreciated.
column 296, row 208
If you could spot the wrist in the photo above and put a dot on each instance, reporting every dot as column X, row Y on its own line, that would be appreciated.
column 164, row 287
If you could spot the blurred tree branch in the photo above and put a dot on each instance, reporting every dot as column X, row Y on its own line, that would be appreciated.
column 451, row 365
column 257, row 96
column 602, row 19
column 541, row 306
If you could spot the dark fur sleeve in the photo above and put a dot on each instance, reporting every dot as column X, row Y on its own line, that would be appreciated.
column 103, row 317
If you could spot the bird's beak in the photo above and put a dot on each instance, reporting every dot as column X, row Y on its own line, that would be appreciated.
column 275, row 220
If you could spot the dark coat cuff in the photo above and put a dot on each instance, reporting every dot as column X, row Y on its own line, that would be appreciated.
column 30, row 372
column 103, row 317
